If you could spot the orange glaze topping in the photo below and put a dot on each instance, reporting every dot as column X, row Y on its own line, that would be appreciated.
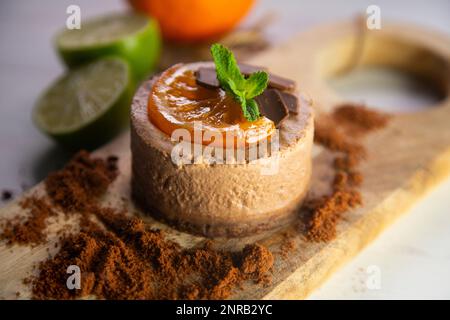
column 176, row 101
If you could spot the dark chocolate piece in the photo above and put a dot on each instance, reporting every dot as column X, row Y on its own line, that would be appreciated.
column 272, row 106
column 291, row 101
column 280, row 83
column 207, row 77
column 247, row 69
column 273, row 102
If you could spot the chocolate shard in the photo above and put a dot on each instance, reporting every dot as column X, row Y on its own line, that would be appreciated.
column 280, row 83
column 248, row 69
column 275, row 81
column 291, row 101
column 272, row 106
column 207, row 77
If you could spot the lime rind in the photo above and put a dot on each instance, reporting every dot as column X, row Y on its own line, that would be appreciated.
column 139, row 43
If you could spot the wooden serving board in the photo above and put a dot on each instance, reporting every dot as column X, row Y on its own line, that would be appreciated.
column 406, row 159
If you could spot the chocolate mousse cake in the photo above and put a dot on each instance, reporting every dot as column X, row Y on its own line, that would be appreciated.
column 225, row 192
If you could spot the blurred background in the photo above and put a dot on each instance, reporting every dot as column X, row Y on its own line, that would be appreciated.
column 408, row 254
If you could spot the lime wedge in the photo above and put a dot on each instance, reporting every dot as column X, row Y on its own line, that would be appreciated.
column 133, row 37
column 88, row 105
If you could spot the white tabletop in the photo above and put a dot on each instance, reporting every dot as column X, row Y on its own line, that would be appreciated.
column 410, row 260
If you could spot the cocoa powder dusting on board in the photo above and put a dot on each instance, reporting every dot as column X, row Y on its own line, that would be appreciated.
column 257, row 260
column 359, row 119
column 118, row 255
column 121, row 258
column 29, row 229
column 340, row 132
column 128, row 261
column 81, row 181
column 287, row 243
column 71, row 189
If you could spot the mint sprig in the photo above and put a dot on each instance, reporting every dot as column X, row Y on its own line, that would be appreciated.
column 233, row 81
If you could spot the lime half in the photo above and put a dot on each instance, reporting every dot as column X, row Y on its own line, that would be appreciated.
column 133, row 37
column 88, row 105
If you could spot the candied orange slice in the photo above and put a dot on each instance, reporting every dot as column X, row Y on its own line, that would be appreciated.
column 176, row 101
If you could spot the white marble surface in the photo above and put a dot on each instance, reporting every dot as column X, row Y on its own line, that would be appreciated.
column 412, row 257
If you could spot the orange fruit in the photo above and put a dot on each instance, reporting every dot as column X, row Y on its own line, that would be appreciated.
column 176, row 101
column 194, row 20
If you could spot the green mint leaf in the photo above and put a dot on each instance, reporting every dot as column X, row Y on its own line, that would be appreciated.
column 228, row 73
column 255, row 84
column 233, row 81
column 252, row 110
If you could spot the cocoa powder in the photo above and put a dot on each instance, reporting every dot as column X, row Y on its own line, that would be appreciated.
column 119, row 256
column 359, row 119
column 29, row 229
column 81, row 181
column 340, row 132
column 257, row 261
column 130, row 262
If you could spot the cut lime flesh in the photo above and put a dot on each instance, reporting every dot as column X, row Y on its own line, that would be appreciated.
column 133, row 37
column 87, row 105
